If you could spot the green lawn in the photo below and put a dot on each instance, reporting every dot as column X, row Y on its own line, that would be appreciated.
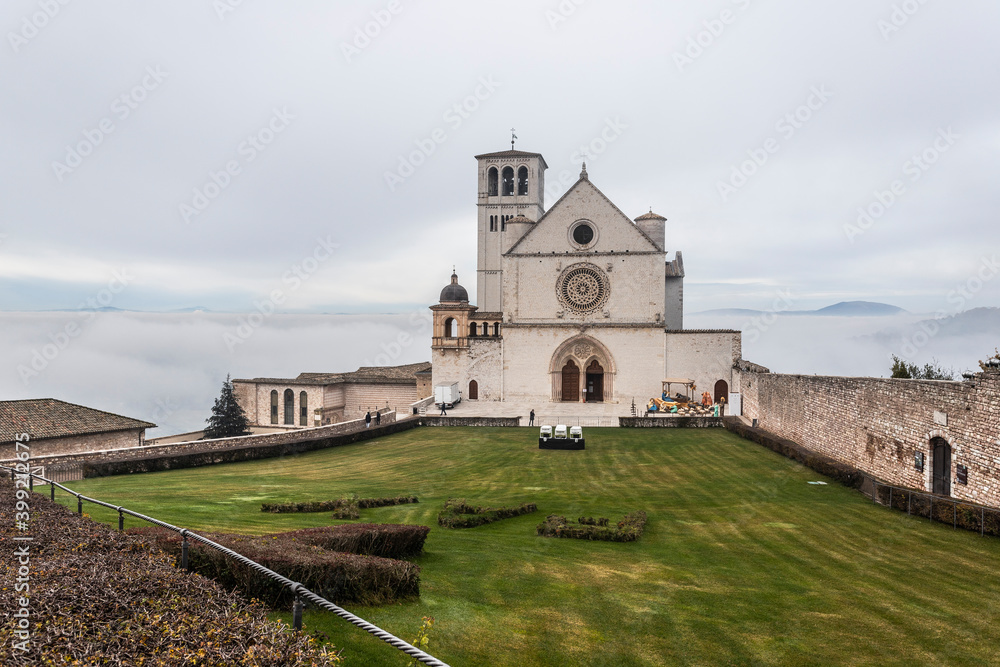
column 742, row 562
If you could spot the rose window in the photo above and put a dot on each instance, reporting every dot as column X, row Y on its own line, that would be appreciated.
column 583, row 288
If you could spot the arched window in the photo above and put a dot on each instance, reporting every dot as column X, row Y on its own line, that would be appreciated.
column 289, row 407
column 450, row 328
column 274, row 406
column 508, row 180
column 472, row 328
column 303, row 409
column 493, row 223
column 496, row 328
column 492, row 182
column 522, row 181
column 473, row 390
column 503, row 224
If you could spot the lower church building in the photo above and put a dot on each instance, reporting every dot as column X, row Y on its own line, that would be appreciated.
column 577, row 303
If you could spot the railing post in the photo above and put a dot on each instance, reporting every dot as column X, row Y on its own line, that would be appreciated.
column 297, row 613
column 31, row 481
column 121, row 520
column 52, row 490
column 184, row 550
column 79, row 505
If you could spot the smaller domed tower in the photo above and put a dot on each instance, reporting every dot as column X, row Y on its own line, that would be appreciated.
column 451, row 317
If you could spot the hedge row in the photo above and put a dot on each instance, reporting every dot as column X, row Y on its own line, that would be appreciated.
column 385, row 540
column 629, row 529
column 332, row 505
column 845, row 474
column 338, row 577
column 100, row 597
column 459, row 514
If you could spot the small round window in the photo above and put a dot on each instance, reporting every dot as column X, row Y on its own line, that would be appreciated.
column 583, row 234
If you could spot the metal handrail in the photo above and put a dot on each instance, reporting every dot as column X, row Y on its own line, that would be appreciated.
column 933, row 497
column 297, row 589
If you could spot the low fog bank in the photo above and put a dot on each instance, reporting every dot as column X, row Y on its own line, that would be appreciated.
column 169, row 368
column 861, row 346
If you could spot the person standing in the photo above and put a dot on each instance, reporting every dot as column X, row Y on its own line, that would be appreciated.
column 531, row 418
column 444, row 413
column 378, row 417
column 368, row 419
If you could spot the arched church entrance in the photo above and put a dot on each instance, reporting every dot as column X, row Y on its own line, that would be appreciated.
column 582, row 369
column 721, row 391
column 473, row 390
column 941, row 470
column 571, row 382
column 595, row 383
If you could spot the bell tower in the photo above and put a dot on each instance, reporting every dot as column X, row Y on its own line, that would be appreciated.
column 511, row 187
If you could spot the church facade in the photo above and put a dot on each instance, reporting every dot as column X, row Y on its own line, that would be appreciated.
column 577, row 303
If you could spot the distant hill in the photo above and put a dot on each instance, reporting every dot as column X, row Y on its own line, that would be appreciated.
column 842, row 309
column 859, row 309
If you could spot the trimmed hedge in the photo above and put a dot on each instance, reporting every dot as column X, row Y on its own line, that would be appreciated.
column 459, row 514
column 336, row 505
column 846, row 474
column 338, row 577
column 629, row 529
column 385, row 540
column 100, row 597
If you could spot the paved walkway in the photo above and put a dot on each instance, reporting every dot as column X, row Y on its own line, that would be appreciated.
column 571, row 414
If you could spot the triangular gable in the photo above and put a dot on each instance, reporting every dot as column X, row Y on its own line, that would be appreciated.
column 611, row 221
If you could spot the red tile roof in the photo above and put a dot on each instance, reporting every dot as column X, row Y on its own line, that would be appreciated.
column 50, row 418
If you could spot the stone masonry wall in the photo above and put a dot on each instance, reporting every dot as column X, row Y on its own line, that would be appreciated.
column 878, row 424
column 203, row 446
column 78, row 444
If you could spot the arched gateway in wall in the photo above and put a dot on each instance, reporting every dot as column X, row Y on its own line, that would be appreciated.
column 582, row 370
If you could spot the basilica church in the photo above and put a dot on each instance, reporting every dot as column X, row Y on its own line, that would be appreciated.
column 577, row 303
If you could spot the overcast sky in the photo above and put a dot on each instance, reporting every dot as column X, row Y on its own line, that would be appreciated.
column 161, row 155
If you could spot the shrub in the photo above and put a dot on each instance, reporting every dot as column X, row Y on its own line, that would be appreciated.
column 459, row 514
column 386, row 540
column 340, row 505
column 629, row 529
column 100, row 597
column 338, row 577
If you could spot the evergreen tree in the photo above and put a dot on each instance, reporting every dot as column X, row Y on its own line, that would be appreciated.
column 228, row 418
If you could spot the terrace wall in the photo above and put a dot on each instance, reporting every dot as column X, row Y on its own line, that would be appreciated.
column 878, row 425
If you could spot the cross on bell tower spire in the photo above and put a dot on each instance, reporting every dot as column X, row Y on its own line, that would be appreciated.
column 513, row 137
